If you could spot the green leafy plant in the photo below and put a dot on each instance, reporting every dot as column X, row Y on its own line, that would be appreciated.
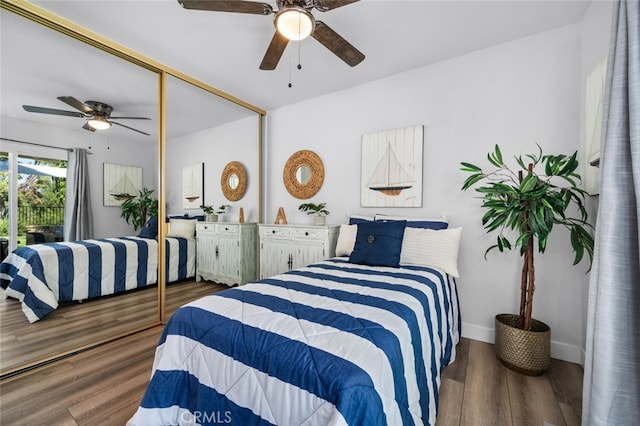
column 531, row 203
column 311, row 208
column 136, row 210
column 210, row 209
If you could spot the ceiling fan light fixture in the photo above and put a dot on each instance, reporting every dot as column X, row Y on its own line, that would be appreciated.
column 98, row 123
column 294, row 23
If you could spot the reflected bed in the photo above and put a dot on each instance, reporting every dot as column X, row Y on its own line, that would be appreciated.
column 43, row 275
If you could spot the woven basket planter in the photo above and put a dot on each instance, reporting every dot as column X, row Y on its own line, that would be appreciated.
column 527, row 352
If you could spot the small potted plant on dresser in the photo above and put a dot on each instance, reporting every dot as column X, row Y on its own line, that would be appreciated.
column 529, row 203
column 318, row 209
column 211, row 212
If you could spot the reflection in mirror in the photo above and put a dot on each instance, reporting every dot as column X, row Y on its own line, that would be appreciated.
column 39, row 78
column 199, row 126
column 303, row 174
column 233, row 181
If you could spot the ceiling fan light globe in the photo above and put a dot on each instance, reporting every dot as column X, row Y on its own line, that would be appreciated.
column 294, row 23
column 98, row 123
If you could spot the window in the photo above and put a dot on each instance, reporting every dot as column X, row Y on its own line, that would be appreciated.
column 32, row 199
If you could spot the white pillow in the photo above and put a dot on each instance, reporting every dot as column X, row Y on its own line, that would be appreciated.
column 427, row 247
column 185, row 228
column 346, row 240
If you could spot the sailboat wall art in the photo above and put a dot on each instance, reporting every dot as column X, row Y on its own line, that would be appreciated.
column 392, row 168
column 193, row 186
column 120, row 183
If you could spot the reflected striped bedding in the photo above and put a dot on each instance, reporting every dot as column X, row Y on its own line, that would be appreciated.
column 43, row 275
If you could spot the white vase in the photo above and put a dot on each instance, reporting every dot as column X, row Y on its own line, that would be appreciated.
column 320, row 220
column 211, row 217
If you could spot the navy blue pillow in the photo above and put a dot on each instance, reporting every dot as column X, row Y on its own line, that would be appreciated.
column 436, row 225
column 176, row 216
column 355, row 220
column 150, row 229
column 427, row 224
column 378, row 243
column 199, row 218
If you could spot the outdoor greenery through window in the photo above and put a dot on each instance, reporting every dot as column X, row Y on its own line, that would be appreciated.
column 41, row 198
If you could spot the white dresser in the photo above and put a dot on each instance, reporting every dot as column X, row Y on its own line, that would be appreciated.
column 226, row 252
column 287, row 247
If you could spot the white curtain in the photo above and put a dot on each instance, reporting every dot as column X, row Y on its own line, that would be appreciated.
column 78, row 219
column 611, row 393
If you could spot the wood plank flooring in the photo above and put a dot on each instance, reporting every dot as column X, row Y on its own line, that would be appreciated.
column 478, row 390
column 79, row 325
column 104, row 385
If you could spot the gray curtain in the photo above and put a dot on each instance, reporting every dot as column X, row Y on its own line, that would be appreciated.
column 78, row 219
column 611, row 393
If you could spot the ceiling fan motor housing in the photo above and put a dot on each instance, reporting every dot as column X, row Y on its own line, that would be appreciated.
column 100, row 108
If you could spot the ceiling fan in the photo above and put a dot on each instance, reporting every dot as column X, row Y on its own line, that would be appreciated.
column 293, row 21
column 97, row 114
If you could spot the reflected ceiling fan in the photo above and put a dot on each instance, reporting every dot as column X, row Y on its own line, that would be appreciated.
column 293, row 21
column 97, row 114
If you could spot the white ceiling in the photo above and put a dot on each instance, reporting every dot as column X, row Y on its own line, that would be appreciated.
column 225, row 49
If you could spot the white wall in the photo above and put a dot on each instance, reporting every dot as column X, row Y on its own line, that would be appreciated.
column 595, row 35
column 235, row 141
column 107, row 147
column 515, row 94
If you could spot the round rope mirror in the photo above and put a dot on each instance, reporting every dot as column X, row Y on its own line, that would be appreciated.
column 233, row 181
column 303, row 174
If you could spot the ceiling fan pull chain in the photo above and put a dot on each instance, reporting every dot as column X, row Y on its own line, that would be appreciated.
column 299, row 55
column 290, row 85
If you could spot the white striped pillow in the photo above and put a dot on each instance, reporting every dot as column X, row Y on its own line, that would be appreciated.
column 435, row 248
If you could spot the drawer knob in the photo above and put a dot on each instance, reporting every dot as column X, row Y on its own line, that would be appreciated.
column 306, row 233
column 273, row 231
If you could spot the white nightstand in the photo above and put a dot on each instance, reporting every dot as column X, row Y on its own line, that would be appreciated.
column 287, row 247
column 226, row 252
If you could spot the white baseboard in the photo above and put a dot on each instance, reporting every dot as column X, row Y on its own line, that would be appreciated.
column 559, row 350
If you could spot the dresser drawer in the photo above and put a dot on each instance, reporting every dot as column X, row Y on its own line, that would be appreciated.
column 227, row 229
column 205, row 227
column 309, row 234
column 275, row 231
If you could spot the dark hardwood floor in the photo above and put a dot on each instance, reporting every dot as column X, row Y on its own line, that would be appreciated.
column 80, row 325
column 104, row 385
column 478, row 390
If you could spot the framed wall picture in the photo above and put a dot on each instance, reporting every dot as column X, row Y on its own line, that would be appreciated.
column 193, row 186
column 120, row 183
column 392, row 168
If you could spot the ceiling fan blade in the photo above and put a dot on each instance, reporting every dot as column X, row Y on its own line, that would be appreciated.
column 238, row 6
column 42, row 110
column 89, row 128
column 80, row 106
column 325, row 5
column 130, row 128
column 274, row 52
column 129, row 118
column 338, row 45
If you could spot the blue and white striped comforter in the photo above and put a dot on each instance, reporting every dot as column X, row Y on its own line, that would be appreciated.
column 333, row 343
column 43, row 275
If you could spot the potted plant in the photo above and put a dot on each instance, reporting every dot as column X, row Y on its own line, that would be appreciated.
column 211, row 212
column 137, row 209
column 529, row 203
column 318, row 209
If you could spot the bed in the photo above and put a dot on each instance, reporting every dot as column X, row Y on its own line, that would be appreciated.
column 358, row 339
column 42, row 276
